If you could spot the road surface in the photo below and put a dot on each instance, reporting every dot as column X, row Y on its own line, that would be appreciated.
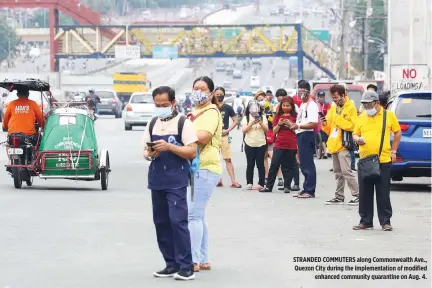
column 71, row 234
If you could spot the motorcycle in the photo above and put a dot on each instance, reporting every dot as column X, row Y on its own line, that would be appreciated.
column 22, row 151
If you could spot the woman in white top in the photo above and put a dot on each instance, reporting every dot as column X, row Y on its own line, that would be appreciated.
column 254, row 127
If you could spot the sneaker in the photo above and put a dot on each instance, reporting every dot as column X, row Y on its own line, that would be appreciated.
column 295, row 188
column 280, row 182
column 166, row 273
column 387, row 227
column 362, row 227
column 334, row 201
column 265, row 190
column 184, row 275
column 285, row 190
column 354, row 201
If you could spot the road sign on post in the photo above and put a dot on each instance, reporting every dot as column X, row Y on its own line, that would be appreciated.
column 322, row 35
column 127, row 52
column 409, row 77
column 165, row 52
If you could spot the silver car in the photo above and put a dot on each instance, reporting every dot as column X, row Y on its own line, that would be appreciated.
column 139, row 110
column 110, row 103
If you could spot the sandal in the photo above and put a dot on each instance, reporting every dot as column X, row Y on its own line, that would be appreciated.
column 305, row 196
column 236, row 185
column 205, row 266
column 298, row 194
column 220, row 184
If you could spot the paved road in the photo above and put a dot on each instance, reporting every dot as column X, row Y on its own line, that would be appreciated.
column 71, row 234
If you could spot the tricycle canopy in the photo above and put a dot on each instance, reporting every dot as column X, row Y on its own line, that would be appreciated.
column 30, row 84
column 69, row 129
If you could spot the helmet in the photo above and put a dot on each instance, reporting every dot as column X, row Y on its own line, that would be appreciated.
column 321, row 94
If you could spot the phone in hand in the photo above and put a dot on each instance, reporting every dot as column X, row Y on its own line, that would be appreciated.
column 150, row 144
column 321, row 114
column 257, row 117
column 361, row 140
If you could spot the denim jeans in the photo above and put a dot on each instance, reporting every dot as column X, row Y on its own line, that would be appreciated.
column 353, row 159
column 204, row 185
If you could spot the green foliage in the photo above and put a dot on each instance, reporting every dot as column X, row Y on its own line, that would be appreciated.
column 9, row 43
column 41, row 19
column 377, row 29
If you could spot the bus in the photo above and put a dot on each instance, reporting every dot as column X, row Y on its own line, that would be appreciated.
column 126, row 83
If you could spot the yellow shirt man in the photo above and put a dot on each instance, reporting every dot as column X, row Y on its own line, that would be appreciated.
column 370, row 127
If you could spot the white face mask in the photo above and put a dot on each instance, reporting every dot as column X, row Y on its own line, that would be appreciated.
column 371, row 112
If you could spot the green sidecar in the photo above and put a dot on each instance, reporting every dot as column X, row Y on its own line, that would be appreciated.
column 69, row 150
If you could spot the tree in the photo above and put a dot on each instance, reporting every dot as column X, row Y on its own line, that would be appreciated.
column 377, row 30
column 9, row 43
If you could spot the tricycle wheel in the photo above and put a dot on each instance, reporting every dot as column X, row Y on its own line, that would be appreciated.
column 16, row 174
column 104, row 173
column 29, row 182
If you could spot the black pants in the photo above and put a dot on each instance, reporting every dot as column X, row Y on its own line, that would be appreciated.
column 366, row 193
column 306, row 146
column 287, row 160
column 255, row 155
column 297, row 174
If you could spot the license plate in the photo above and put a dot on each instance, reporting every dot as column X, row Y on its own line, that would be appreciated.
column 427, row 133
column 15, row 151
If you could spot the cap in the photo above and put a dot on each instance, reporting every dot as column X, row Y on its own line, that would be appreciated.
column 321, row 93
column 369, row 96
column 269, row 92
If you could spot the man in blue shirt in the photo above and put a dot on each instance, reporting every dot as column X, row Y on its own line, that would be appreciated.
column 170, row 143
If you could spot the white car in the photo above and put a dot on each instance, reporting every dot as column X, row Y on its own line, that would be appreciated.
column 255, row 82
column 237, row 74
column 274, row 12
column 256, row 61
column 287, row 12
column 139, row 110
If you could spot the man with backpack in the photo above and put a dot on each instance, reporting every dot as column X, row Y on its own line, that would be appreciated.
column 306, row 126
column 170, row 145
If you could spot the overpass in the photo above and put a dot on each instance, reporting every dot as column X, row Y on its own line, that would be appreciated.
column 200, row 41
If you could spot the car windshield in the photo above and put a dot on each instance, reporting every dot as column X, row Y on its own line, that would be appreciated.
column 142, row 99
column 414, row 108
column 104, row 94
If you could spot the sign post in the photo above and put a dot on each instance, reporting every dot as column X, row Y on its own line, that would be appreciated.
column 165, row 52
column 322, row 35
column 409, row 77
column 127, row 52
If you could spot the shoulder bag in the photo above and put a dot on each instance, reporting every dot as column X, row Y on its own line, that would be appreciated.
column 369, row 167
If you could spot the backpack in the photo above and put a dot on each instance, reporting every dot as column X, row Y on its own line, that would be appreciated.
column 317, row 129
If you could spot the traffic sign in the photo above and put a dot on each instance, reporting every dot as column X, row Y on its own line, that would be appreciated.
column 322, row 35
column 127, row 52
column 165, row 52
column 409, row 77
column 227, row 33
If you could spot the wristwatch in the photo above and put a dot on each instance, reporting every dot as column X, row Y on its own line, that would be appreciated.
column 393, row 151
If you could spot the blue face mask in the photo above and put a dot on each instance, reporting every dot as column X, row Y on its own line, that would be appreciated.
column 163, row 112
column 371, row 112
column 262, row 103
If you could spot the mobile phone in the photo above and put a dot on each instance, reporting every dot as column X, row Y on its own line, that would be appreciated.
column 361, row 140
column 257, row 117
column 321, row 114
column 151, row 144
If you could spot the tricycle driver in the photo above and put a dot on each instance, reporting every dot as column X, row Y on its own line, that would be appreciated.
column 22, row 115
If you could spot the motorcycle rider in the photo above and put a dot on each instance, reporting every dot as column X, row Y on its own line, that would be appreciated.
column 22, row 115
column 93, row 100
column 187, row 104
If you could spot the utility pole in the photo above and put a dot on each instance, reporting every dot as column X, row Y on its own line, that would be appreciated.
column 366, row 37
column 344, row 38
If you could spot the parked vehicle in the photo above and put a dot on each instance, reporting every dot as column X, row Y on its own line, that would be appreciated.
column 110, row 103
column 237, row 74
column 67, row 150
column 139, row 110
column 255, row 82
column 413, row 111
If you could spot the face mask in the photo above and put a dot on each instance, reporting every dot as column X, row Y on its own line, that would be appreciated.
column 371, row 112
column 262, row 103
column 220, row 98
column 199, row 97
column 163, row 112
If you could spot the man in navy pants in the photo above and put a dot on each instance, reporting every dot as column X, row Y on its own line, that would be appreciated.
column 171, row 141
column 307, row 121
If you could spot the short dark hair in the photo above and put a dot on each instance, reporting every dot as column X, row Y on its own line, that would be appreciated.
column 281, row 92
column 321, row 94
column 269, row 92
column 373, row 87
column 221, row 89
column 164, row 89
column 340, row 89
column 207, row 80
column 303, row 84
column 23, row 91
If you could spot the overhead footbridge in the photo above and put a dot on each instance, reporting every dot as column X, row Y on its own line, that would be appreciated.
column 197, row 41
